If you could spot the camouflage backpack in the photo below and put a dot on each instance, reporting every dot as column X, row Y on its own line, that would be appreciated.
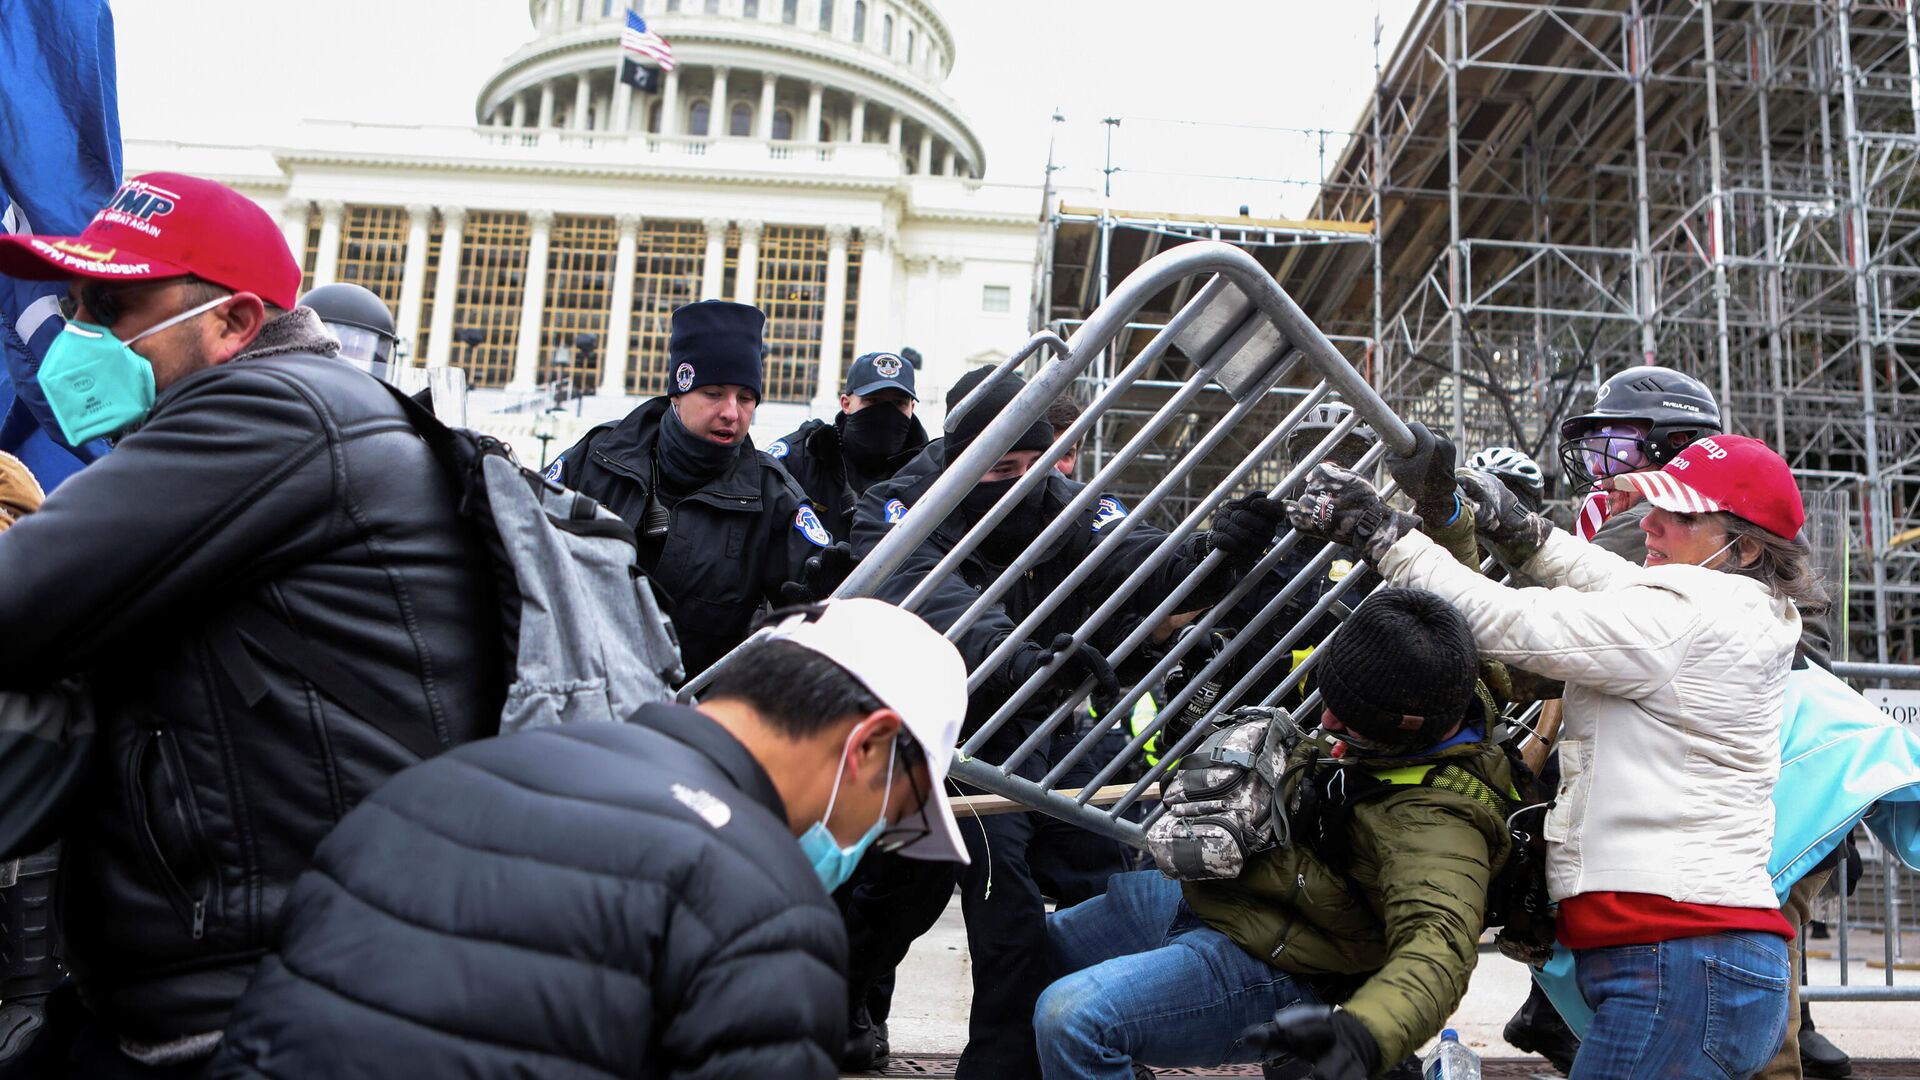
column 1220, row 806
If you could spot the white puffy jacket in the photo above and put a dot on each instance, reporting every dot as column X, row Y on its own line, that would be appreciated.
column 1670, row 742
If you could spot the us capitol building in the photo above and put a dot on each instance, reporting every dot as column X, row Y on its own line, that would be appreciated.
column 801, row 157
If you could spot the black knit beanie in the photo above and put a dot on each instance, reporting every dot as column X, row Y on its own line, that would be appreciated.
column 981, row 413
column 716, row 342
column 1405, row 652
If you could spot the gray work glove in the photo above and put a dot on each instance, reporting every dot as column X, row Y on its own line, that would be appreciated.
column 1426, row 475
column 1341, row 507
column 1244, row 529
column 1508, row 528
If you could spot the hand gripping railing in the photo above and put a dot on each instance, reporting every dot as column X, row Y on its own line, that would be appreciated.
column 1241, row 333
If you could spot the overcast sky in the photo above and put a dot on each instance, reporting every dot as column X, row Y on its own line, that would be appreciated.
column 1201, row 85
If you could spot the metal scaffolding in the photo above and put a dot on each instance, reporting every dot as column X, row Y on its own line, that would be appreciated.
column 1539, row 194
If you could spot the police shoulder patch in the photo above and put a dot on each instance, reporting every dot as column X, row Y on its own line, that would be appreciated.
column 554, row 470
column 778, row 448
column 1107, row 511
column 807, row 523
column 895, row 511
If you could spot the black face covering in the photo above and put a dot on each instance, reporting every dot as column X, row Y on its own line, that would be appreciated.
column 687, row 460
column 1019, row 529
column 873, row 435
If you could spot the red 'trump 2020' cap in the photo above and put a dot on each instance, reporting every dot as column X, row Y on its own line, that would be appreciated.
column 166, row 225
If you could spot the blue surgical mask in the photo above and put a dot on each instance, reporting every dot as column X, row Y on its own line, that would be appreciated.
column 95, row 383
column 832, row 863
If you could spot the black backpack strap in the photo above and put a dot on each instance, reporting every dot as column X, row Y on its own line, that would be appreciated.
column 334, row 679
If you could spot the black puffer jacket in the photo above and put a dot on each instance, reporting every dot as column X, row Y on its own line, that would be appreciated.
column 589, row 900
column 813, row 456
column 290, row 484
column 732, row 543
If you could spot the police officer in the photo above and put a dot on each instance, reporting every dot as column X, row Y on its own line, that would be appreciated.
column 362, row 323
column 875, row 433
column 1019, row 858
column 721, row 526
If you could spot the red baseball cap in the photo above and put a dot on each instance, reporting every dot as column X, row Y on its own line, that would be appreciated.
column 166, row 225
column 1725, row 472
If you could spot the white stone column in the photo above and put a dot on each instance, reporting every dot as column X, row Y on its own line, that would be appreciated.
column 446, row 287
column 613, row 366
column 747, row 272
column 925, row 166
column 546, row 104
column 293, row 225
column 858, row 121
column 327, row 265
column 833, row 324
column 670, row 104
column 946, row 164
column 874, row 332
column 717, row 119
column 713, row 271
column 519, row 110
column 582, row 103
column 894, row 127
column 526, row 356
column 763, row 121
column 815, row 95
column 413, row 279
column 622, row 99
column 553, row 13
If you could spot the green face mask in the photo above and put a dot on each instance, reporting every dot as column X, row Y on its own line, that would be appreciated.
column 95, row 383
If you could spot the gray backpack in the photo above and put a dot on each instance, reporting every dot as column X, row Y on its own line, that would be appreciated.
column 1221, row 806
column 582, row 635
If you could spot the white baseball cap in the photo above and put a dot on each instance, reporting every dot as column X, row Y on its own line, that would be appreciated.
column 914, row 671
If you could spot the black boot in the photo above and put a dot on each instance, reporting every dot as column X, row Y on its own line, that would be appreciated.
column 866, row 1043
column 1818, row 1056
column 1538, row 1029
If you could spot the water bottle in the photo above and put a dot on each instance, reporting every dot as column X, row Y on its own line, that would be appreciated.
column 1450, row 1060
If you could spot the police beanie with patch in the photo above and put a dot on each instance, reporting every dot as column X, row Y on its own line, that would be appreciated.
column 716, row 343
column 982, row 412
column 1405, row 652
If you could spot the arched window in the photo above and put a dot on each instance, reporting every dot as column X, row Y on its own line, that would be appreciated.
column 653, row 117
column 886, row 34
column 713, row 7
column 606, row 8
column 859, row 20
column 673, row 5
column 789, row 11
column 740, row 119
column 783, row 124
column 826, row 15
column 697, row 117
column 750, row 8
column 909, row 46
column 580, row 11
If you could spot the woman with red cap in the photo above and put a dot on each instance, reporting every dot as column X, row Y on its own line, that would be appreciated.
column 1659, row 836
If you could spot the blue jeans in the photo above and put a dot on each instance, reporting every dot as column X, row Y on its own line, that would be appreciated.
column 1712, row 1008
column 1149, row 982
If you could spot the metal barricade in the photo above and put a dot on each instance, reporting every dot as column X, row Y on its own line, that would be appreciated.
column 1884, row 875
column 1241, row 333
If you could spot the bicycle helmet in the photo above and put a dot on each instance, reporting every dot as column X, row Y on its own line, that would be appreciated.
column 1515, row 469
column 1640, row 419
column 1325, row 417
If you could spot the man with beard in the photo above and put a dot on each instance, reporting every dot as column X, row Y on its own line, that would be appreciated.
column 875, row 433
column 721, row 526
column 1018, row 859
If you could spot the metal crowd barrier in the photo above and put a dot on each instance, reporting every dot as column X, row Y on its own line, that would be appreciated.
column 1240, row 332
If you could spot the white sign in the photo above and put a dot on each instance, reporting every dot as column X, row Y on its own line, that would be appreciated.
column 1902, row 705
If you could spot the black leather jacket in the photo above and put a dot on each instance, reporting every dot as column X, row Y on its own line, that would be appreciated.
column 731, row 545
column 290, row 483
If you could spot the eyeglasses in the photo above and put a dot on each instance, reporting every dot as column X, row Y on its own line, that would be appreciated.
column 907, row 754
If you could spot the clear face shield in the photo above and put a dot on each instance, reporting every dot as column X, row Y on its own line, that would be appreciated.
column 364, row 349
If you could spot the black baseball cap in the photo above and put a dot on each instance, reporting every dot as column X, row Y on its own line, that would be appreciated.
column 880, row 371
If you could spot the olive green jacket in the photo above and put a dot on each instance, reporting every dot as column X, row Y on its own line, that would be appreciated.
column 1409, row 908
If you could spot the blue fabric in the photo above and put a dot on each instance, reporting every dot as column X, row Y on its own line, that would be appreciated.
column 1148, row 981
column 60, row 130
column 1709, row 1007
column 1842, row 761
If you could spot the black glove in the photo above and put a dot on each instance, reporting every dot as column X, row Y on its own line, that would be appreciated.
column 1331, row 1040
column 822, row 574
column 1083, row 660
column 1426, row 474
column 1245, row 528
column 1341, row 507
column 1513, row 532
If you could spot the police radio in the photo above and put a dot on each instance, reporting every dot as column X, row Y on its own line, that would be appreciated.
column 655, row 519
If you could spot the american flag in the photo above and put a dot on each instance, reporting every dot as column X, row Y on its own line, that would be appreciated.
column 1593, row 514
column 644, row 44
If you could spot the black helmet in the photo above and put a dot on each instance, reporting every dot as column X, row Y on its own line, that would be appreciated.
column 360, row 320
column 1676, row 408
